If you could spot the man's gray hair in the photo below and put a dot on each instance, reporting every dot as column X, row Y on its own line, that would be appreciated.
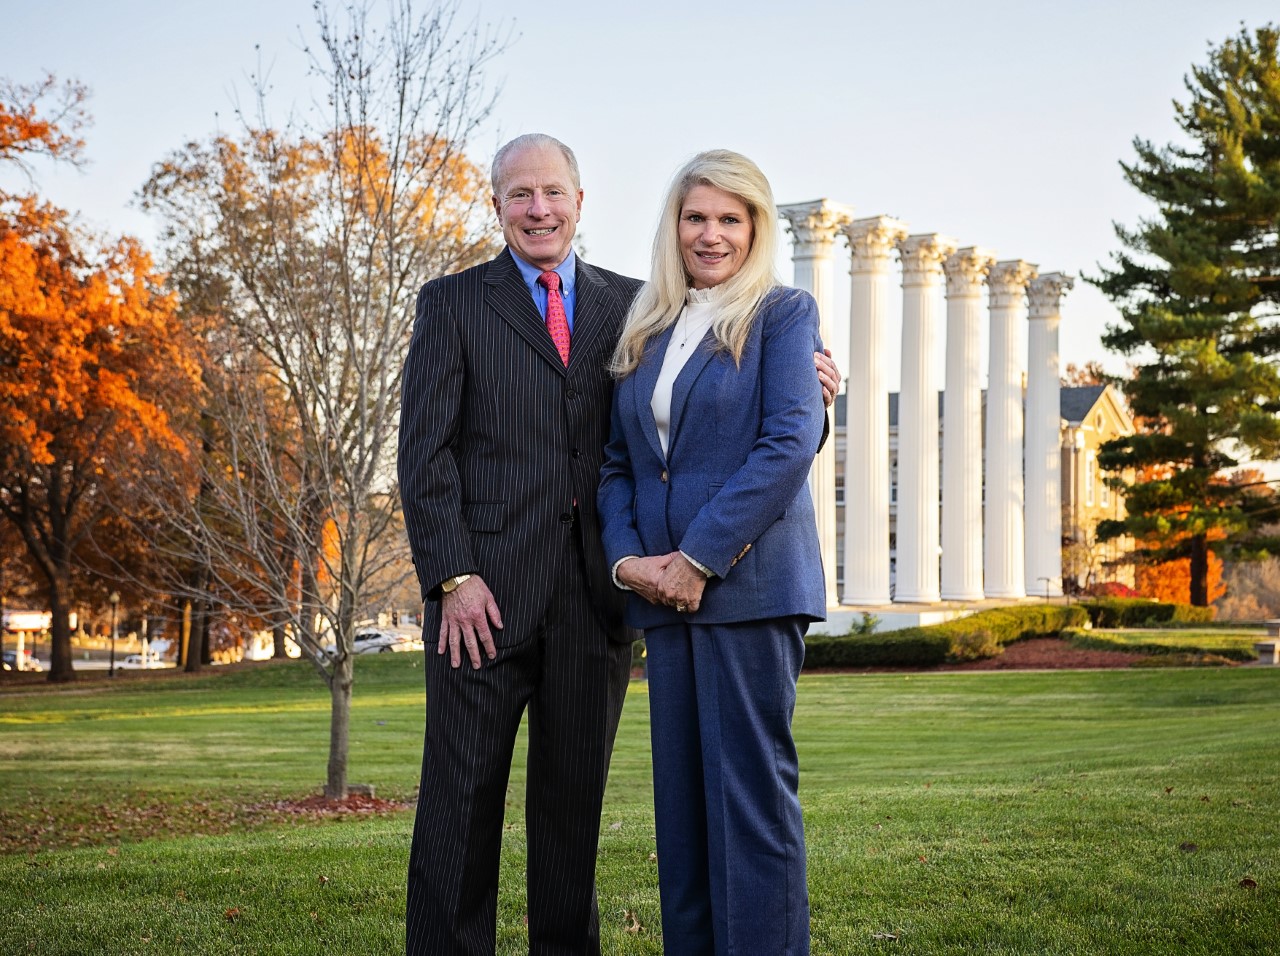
column 498, row 171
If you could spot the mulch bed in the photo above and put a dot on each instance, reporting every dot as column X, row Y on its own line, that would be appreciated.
column 1048, row 653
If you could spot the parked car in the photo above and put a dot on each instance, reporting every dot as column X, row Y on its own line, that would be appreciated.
column 142, row 661
column 29, row 662
column 383, row 640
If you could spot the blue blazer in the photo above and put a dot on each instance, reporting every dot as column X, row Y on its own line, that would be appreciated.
column 732, row 490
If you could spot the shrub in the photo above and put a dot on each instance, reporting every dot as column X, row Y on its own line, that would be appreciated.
column 974, row 645
column 906, row 648
column 1139, row 612
column 1110, row 589
column 968, row 638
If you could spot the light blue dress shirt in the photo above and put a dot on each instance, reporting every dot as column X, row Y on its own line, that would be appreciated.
column 567, row 270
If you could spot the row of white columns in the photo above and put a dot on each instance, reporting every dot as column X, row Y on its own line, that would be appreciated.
column 996, row 551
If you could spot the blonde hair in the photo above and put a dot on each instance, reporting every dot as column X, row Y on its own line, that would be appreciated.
column 658, row 304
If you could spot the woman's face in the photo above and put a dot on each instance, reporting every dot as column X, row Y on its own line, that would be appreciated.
column 715, row 235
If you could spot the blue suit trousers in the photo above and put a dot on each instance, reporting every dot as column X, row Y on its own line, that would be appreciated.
column 731, row 856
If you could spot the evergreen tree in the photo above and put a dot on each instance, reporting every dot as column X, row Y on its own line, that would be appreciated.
column 1198, row 286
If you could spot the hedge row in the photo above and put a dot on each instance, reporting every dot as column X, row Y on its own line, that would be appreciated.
column 1188, row 652
column 968, row 638
column 1140, row 612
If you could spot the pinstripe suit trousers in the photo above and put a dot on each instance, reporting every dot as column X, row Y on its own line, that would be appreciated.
column 573, row 681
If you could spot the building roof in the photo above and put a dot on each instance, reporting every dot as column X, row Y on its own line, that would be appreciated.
column 1078, row 401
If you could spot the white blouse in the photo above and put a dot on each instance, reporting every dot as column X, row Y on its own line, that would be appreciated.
column 695, row 318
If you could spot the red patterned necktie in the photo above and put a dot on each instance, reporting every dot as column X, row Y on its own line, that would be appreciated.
column 557, row 323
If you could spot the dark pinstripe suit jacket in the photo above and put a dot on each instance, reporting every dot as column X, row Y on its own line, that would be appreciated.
column 498, row 439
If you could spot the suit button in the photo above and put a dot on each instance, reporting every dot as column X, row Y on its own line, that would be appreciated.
column 664, row 475
column 576, row 453
column 571, row 393
column 566, row 519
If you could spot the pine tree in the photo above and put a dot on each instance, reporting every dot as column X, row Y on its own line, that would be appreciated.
column 1198, row 286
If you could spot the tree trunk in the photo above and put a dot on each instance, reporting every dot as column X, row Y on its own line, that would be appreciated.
column 60, row 668
column 279, row 650
column 1200, row 571
column 335, row 787
column 196, row 639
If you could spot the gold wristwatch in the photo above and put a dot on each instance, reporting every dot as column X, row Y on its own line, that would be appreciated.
column 449, row 585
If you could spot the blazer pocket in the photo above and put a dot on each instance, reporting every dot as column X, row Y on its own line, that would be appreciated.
column 715, row 487
column 487, row 516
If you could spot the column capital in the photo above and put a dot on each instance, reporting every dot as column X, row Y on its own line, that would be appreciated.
column 871, row 241
column 922, row 256
column 814, row 225
column 966, row 268
column 1008, row 280
column 1045, row 294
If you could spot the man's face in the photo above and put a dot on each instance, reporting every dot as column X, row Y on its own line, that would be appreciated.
column 539, row 207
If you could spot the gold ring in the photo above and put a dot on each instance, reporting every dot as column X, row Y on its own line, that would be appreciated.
column 680, row 608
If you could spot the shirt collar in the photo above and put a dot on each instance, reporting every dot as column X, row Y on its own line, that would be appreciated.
column 567, row 271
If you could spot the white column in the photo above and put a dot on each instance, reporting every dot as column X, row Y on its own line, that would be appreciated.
column 1044, row 423
column 962, row 427
column 922, row 258
column 866, row 469
column 1004, row 571
column 813, row 226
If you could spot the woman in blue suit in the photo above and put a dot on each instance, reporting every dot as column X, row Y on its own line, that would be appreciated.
column 706, row 514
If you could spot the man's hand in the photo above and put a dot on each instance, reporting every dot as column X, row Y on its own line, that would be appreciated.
column 681, row 584
column 828, row 375
column 642, row 575
column 466, row 613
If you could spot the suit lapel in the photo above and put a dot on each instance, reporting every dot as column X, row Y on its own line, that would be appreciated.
column 506, row 293
column 646, row 377
column 594, row 301
column 684, row 384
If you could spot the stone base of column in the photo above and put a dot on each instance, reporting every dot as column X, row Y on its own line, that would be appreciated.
column 865, row 600
column 1010, row 595
column 963, row 595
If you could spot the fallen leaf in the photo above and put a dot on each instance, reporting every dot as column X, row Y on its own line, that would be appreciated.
column 923, row 860
column 113, row 851
column 324, row 880
column 1188, row 847
column 616, row 826
column 232, row 914
column 1168, row 789
column 630, row 923
column 1248, row 884
column 653, row 858
column 1204, row 799
column 888, row 936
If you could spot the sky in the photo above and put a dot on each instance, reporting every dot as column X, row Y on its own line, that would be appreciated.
column 1000, row 124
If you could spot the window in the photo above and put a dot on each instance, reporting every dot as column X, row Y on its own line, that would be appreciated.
column 1090, row 476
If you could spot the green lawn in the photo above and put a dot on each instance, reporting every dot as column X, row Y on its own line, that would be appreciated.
column 1000, row 813
column 1233, row 643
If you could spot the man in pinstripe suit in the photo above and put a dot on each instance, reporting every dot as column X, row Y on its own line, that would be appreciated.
column 501, row 443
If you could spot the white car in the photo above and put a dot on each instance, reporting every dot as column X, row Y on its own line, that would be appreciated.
column 147, row 661
column 377, row 640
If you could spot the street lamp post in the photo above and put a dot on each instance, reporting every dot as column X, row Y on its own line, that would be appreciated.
column 115, row 603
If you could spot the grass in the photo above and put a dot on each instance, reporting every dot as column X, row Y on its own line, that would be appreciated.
column 1004, row 813
column 1234, row 644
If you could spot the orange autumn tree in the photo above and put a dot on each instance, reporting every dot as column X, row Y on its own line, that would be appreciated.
column 1171, row 580
column 92, row 360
